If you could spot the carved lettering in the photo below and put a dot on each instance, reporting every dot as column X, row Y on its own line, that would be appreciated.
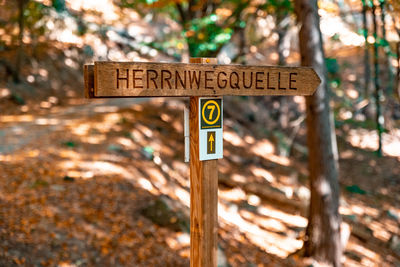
column 178, row 77
column 165, row 77
column 259, row 80
column 268, row 82
column 207, row 79
column 279, row 82
column 194, row 79
column 147, row 79
column 244, row 80
column 153, row 79
column 235, row 84
column 136, row 79
column 292, row 80
column 223, row 80
column 123, row 78
column 211, row 79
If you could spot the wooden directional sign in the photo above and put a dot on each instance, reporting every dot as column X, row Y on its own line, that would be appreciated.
column 146, row 79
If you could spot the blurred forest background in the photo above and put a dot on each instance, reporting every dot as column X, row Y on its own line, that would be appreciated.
column 103, row 182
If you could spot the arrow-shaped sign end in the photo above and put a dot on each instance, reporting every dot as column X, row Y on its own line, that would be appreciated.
column 315, row 81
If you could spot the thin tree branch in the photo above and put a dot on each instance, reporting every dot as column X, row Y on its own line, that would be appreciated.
column 181, row 12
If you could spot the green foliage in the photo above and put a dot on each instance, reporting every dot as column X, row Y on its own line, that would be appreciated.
column 17, row 99
column 332, row 65
column 332, row 68
column 144, row 7
column 68, row 178
column 355, row 189
column 205, row 36
column 172, row 46
column 204, row 29
column 367, row 3
column 70, row 144
column 59, row 5
column 148, row 152
column 114, row 148
column 34, row 14
column 336, row 37
column 278, row 7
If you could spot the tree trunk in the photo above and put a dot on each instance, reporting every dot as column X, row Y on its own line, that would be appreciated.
column 283, row 46
column 397, row 80
column 367, row 68
column 20, row 50
column 398, row 70
column 387, row 70
column 241, row 55
column 378, row 90
column 368, row 111
column 323, row 230
column 283, row 23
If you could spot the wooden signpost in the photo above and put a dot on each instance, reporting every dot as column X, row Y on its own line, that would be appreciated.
column 136, row 79
column 205, row 82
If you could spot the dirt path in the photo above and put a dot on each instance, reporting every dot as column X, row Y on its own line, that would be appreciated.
column 16, row 131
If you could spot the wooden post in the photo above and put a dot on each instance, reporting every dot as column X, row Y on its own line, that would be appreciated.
column 89, row 80
column 203, row 193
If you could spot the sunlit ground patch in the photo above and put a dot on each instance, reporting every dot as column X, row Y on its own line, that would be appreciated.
column 368, row 139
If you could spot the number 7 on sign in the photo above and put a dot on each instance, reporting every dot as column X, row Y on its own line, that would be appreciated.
column 212, row 108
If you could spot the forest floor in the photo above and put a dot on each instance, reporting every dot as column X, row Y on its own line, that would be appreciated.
column 77, row 182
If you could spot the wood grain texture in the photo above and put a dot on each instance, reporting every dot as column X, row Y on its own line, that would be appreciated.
column 88, row 75
column 203, row 198
column 146, row 79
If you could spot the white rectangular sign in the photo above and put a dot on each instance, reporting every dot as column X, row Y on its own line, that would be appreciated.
column 210, row 128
